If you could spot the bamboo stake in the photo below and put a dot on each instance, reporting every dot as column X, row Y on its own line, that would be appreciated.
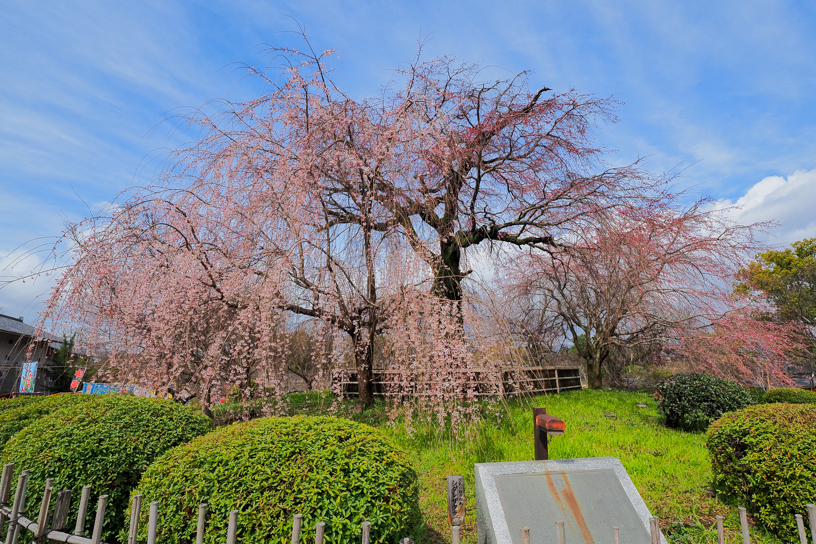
column 45, row 505
column 525, row 535
column 5, row 487
column 559, row 529
column 14, row 528
column 366, row 532
column 232, row 529
column 800, row 526
column 743, row 515
column 83, row 508
column 720, row 531
column 135, row 512
column 100, row 519
column 319, row 531
column 296, row 524
column 152, row 522
column 202, row 517
column 811, row 508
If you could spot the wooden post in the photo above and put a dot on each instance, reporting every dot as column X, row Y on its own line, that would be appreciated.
column 525, row 535
column 232, row 529
column 5, row 482
column 616, row 534
column 5, row 487
column 319, row 531
column 366, row 532
column 61, row 510
column 455, row 534
column 654, row 526
column 743, row 515
column 79, row 529
column 560, row 533
column 296, row 524
column 456, row 500
column 17, row 507
column 99, row 522
column 152, row 522
column 45, row 506
column 800, row 526
column 202, row 517
column 557, row 382
column 135, row 513
column 811, row 508
column 540, row 437
column 720, row 531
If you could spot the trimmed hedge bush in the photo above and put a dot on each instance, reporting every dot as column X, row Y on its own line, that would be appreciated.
column 331, row 470
column 763, row 458
column 789, row 396
column 692, row 401
column 14, row 421
column 106, row 443
column 18, row 402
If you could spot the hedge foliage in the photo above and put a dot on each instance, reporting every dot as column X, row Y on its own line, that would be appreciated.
column 790, row 396
column 107, row 443
column 763, row 458
column 331, row 470
column 692, row 401
column 14, row 421
column 17, row 402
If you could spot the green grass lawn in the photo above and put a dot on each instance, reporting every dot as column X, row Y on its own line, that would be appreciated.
column 670, row 468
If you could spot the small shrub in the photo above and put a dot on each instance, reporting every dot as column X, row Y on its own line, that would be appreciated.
column 763, row 459
column 331, row 470
column 14, row 421
column 757, row 394
column 692, row 401
column 790, row 396
column 18, row 402
column 106, row 443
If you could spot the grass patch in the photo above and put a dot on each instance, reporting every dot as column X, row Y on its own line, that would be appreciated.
column 670, row 468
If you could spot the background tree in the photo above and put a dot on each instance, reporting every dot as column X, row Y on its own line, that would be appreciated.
column 641, row 275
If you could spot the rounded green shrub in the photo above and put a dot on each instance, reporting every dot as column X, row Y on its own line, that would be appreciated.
column 106, row 443
column 790, row 396
column 763, row 458
column 331, row 470
column 14, row 421
column 692, row 401
column 18, row 402
column 757, row 394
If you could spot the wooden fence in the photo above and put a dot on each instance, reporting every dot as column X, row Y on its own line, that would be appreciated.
column 51, row 524
column 500, row 383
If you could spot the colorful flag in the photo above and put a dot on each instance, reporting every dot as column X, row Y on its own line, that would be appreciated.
column 77, row 379
column 27, row 377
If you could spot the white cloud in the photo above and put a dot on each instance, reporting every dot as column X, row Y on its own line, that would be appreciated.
column 787, row 201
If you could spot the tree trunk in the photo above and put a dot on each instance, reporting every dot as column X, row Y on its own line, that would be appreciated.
column 364, row 361
column 447, row 283
column 595, row 372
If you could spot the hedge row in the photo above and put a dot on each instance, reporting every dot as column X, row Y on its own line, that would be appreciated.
column 763, row 458
column 327, row 469
column 106, row 442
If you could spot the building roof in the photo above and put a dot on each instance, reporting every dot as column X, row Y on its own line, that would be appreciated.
column 15, row 325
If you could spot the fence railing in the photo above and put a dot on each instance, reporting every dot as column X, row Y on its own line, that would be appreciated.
column 529, row 380
column 50, row 524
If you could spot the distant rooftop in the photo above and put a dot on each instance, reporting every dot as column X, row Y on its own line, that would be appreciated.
column 15, row 325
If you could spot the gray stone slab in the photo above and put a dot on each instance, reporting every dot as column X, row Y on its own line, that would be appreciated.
column 590, row 495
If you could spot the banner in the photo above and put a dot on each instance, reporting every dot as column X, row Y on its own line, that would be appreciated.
column 77, row 379
column 27, row 377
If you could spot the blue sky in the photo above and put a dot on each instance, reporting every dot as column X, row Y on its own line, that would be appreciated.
column 723, row 91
